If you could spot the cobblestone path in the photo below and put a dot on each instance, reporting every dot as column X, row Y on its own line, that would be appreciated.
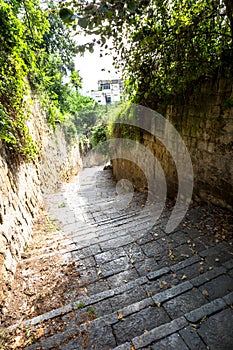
column 140, row 288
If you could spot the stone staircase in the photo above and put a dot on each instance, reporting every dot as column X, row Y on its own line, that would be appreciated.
column 141, row 287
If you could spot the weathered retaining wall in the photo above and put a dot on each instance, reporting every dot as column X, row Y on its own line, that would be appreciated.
column 22, row 187
column 204, row 119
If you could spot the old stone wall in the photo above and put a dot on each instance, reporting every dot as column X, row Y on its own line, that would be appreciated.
column 21, row 190
column 204, row 119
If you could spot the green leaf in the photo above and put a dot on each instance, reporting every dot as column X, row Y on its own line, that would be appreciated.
column 132, row 6
column 91, row 48
column 83, row 22
column 66, row 15
column 80, row 305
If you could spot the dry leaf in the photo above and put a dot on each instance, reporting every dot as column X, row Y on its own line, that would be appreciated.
column 32, row 309
column 193, row 325
column 185, row 255
column 170, row 254
column 158, row 304
column 39, row 332
column 201, row 270
column 205, row 293
column 18, row 342
column 184, row 277
column 120, row 316
column 162, row 284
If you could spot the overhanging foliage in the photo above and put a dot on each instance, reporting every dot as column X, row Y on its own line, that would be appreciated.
column 162, row 45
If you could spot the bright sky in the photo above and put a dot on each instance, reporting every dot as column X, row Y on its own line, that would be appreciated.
column 90, row 66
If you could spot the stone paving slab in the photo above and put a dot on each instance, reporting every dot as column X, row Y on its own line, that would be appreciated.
column 217, row 330
column 159, row 333
column 150, row 290
column 184, row 303
column 205, row 310
column 172, row 342
column 173, row 292
column 191, row 338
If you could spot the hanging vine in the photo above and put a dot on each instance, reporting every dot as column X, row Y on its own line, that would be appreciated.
column 17, row 58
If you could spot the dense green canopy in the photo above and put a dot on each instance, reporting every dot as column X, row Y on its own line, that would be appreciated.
column 162, row 45
column 37, row 58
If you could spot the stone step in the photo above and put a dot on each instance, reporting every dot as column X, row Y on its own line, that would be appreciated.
column 90, row 235
column 114, row 217
column 115, row 306
column 178, row 324
column 154, row 334
column 80, row 227
column 138, row 319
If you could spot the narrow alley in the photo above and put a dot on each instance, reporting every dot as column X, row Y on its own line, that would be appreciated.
column 129, row 285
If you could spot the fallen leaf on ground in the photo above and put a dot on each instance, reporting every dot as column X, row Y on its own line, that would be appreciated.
column 162, row 284
column 205, row 293
column 39, row 332
column 185, row 255
column 201, row 270
column 171, row 255
column 120, row 316
column 19, row 340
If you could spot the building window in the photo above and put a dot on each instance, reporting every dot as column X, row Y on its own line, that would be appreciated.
column 108, row 99
column 105, row 87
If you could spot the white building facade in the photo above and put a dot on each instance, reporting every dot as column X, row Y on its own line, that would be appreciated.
column 109, row 91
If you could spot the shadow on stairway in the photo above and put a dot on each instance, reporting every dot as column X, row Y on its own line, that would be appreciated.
column 99, row 276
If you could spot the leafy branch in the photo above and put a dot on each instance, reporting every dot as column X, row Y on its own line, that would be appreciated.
column 161, row 45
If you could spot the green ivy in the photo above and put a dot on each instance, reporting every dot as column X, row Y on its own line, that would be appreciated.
column 118, row 123
column 98, row 134
column 36, row 54
column 18, row 41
